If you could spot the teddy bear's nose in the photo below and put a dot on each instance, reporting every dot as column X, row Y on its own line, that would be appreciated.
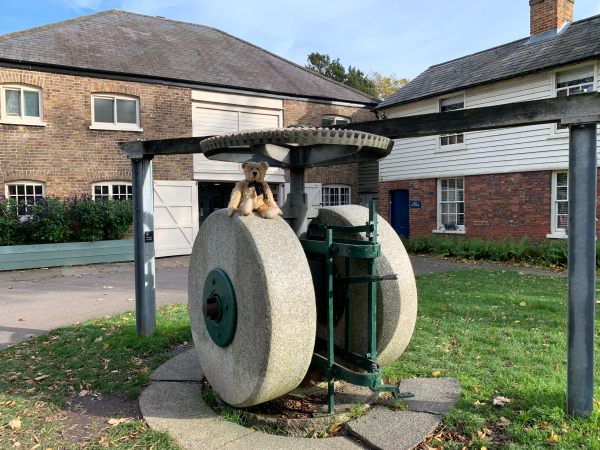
column 254, row 173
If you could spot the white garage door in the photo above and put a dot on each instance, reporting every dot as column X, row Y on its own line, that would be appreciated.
column 175, row 217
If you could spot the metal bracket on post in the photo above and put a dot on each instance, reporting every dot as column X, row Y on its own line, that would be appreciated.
column 581, row 267
column 143, row 228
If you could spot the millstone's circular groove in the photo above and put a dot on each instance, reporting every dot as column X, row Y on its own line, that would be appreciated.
column 396, row 299
column 296, row 137
column 276, row 314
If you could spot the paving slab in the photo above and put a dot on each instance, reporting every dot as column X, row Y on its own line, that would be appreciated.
column 431, row 395
column 178, row 409
column 263, row 441
column 183, row 367
column 385, row 429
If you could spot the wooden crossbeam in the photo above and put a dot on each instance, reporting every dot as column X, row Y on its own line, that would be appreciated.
column 584, row 108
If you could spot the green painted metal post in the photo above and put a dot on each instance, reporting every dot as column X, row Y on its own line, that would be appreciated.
column 330, row 329
column 372, row 286
column 348, row 306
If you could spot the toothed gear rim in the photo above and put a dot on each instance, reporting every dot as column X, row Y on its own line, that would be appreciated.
column 296, row 137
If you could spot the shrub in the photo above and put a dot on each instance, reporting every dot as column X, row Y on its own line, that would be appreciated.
column 55, row 221
column 86, row 218
column 507, row 250
column 12, row 230
column 48, row 222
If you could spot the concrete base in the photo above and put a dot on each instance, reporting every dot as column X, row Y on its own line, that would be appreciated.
column 177, row 407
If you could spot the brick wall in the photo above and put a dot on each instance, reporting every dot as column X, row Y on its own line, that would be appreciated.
column 308, row 113
column 66, row 155
column 496, row 206
column 547, row 15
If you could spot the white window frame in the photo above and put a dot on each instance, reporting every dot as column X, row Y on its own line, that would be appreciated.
column 339, row 187
column 555, row 130
column 555, row 231
column 21, row 119
column 111, row 184
column 460, row 229
column 24, row 183
column 457, row 146
column 116, row 126
column 343, row 120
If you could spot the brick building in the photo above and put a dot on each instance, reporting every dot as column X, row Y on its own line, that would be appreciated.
column 71, row 91
column 496, row 183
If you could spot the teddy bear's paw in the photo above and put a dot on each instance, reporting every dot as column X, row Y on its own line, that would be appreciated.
column 230, row 211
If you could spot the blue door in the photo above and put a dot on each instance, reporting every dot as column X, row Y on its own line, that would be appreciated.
column 399, row 212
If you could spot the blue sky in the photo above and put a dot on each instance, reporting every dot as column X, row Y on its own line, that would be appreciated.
column 391, row 36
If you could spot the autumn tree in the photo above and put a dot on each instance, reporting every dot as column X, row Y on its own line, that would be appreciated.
column 376, row 85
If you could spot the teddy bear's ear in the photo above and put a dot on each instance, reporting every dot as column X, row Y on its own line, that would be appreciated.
column 264, row 166
column 244, row 165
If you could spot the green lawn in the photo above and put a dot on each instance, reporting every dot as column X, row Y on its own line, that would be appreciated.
column 500, row 333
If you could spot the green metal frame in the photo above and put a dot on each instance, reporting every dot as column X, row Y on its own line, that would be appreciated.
column 320, row 240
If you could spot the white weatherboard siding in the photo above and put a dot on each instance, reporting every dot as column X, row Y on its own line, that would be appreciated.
column 538, row 147
column 218, row 113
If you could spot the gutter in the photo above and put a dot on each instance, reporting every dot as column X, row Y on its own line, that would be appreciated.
column 105, row 74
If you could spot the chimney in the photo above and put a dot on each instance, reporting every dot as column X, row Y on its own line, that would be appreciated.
column 549, row 15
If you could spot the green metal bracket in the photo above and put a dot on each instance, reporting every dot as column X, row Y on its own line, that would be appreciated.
column 219, row 307
column 320, row 240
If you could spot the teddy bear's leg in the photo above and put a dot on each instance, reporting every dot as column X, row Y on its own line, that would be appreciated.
column 234, row 201
column 246, row 207
column 270, row 213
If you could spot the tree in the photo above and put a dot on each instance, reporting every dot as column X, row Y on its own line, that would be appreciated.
column 387, row 85
column 333, row 68
column 376, row 85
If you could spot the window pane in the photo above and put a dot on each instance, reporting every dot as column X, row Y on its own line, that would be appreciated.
column 561, row 193
column 563, row 207
column 32, row 103
column 444, row 140
column 126, row 111
column 326, row 121
column 341, row 121
column 460, row 138
column 13, row 102
column 103, row 110
column 12, row 190
column 561, row 179
column 459, row 183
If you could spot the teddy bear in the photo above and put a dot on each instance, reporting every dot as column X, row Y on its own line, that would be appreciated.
column 253, row 193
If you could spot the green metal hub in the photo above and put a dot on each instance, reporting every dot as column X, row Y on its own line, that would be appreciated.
column 219, row 307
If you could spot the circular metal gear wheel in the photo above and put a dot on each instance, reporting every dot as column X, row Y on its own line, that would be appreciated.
column 263, row 263
column 298, row 147
column 396, row 299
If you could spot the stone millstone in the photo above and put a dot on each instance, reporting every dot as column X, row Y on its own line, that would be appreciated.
column 276, row 313
column 396, row 299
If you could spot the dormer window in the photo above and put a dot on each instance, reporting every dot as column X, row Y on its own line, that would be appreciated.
column 21, row 105
column 115, row 112
column 578, row 81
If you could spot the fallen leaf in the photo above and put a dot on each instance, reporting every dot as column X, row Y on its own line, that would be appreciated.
column 83, row 392
column 501, row 401
column 15, row 424
column 106, row 346
column 436, row 373
column 523, row 303
column 504, row 421
column 10, row 403
column 112, row 422
column 544, row 425
column 103, row 441
column 125, row 319
column 21, row 319
column 98, row 339
column 553, row 439
column 41, row 377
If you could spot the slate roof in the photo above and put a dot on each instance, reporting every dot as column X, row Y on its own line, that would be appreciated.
column 580, row 41
column 124, row 43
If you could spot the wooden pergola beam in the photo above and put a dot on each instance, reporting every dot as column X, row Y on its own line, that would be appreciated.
column 577, row 108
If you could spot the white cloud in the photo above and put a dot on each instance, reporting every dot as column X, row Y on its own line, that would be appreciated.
column 81, row 5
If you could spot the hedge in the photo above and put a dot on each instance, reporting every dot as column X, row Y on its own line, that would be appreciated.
column 52, row 220
column 550, row 253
